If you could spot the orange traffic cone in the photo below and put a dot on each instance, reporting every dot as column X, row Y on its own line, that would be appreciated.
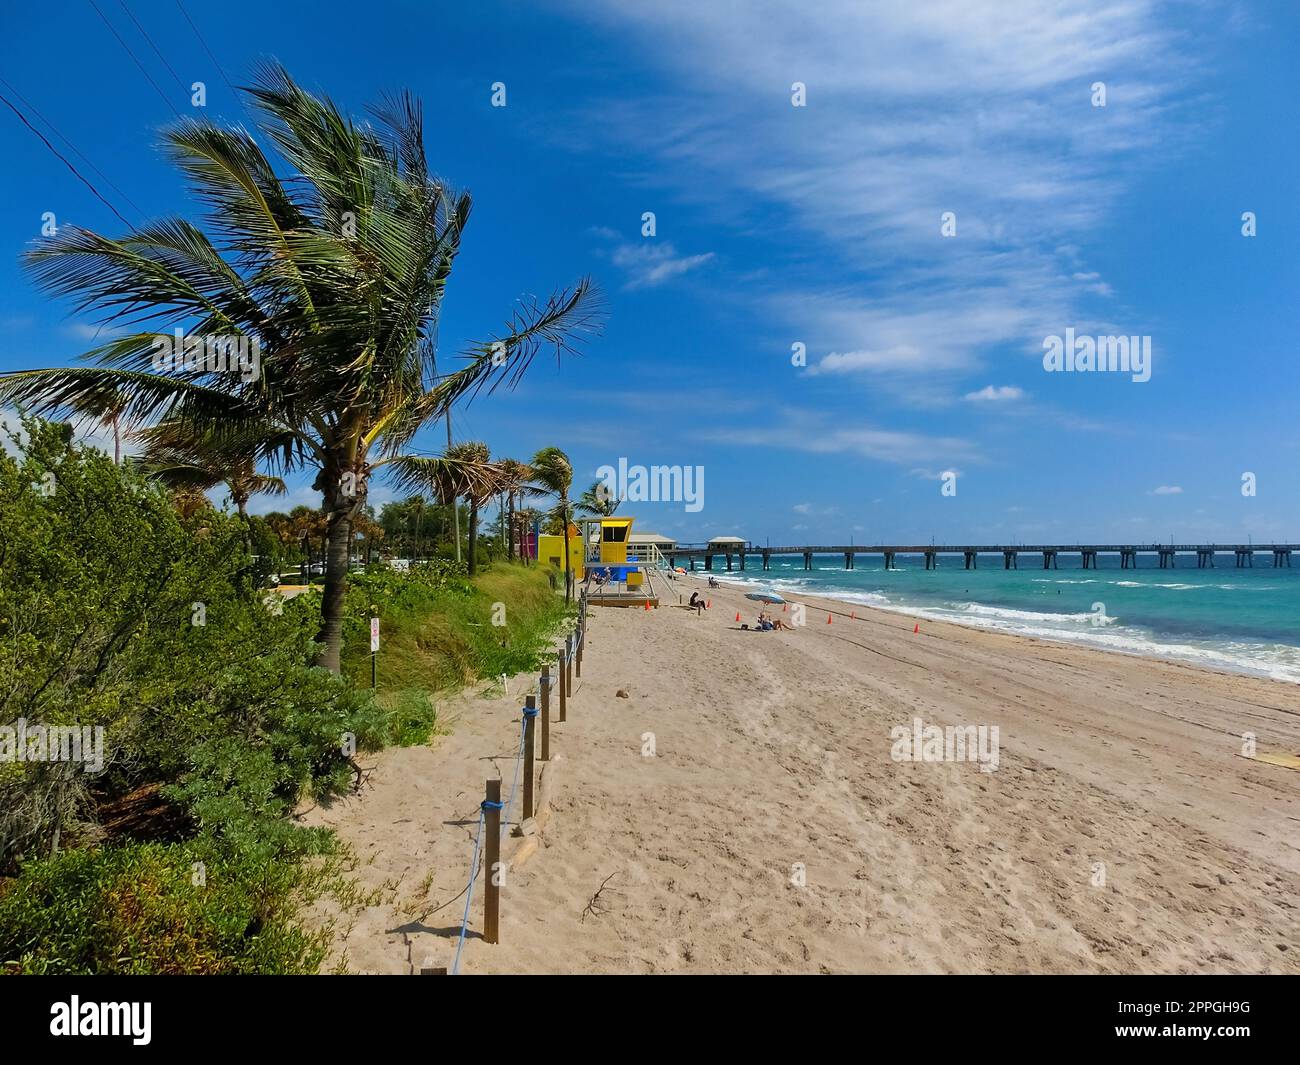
column 647, row 604
column 828, row 619
column 708, row 605
column 916, row 628
column 785, row 607
column 737, row 615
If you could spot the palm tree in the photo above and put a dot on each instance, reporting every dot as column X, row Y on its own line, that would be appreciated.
column 182, row 462
column 462, row 472
column 513, row 481
column 186, row 465
column 598, row 501
column 333, row 278
column 476, row 491
column 553, row 473
column 525, row 518
column 107, row 413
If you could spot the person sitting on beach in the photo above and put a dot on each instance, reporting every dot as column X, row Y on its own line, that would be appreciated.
column 765, row 623
column 697, row 601
column 713, row 582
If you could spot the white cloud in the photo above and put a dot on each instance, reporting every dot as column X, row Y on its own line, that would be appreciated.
column 93, row 333
column 913, row 110
column 1167, row 490
column 803, row 431
column 996, row 394
column 651, row 263
column 802, row 508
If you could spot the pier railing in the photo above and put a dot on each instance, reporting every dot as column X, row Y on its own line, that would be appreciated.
column 1167, row 554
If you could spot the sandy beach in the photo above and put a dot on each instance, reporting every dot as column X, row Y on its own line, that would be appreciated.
column 772, row 831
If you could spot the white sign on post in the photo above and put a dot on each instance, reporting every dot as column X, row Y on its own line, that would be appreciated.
column 374, row 635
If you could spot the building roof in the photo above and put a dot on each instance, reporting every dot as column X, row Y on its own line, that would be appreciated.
column 652, row 538
column 727, row 540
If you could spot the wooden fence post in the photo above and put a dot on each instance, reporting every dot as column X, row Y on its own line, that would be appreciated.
column 580, row 640
column 568, row 666
column 545, row 685
column 529, row 741
column 546, row 729
column 564, row 701
column 491, row 859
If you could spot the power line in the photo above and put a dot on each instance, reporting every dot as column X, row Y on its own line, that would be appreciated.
column 156, row 51
column 109, row 181
column 134, row 60
column 207, row 49
column 81, row 177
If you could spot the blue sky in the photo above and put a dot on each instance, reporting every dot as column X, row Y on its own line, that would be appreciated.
column 779, row 225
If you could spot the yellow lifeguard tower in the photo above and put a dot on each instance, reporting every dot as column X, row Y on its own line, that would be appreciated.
column 607, row 559
column 614, row 535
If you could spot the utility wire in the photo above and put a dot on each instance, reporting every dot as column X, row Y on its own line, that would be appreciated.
column 81, row 177
column 145, row 35
column 134, row 60
column 81, row 155
column 207, row 49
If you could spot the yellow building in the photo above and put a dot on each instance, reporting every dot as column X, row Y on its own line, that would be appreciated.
column 550, row 551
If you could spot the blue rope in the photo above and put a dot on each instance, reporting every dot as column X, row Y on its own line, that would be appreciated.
column 469, row 891
column 519, row 758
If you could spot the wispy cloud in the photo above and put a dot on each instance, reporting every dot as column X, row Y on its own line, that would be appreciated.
column 1167, row 490
column 912, row 110
column 802, row 431
column 649, row 263
column 996, row 394
column 93, row 333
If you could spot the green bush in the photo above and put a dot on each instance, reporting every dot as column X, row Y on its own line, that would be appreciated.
column 164, row 909
column 116, row 613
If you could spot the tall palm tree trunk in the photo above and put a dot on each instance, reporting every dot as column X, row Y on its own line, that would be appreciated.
column 339, row 509
column 510, row 524
column 568, row 576
column 241, row 504
column 473, row 535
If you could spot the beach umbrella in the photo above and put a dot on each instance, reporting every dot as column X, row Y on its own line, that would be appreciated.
column 764, row 597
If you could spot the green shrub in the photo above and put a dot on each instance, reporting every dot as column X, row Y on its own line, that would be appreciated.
column 164, row 909
column 116, row 613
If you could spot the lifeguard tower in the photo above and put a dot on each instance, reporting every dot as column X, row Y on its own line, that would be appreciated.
column 612, row 576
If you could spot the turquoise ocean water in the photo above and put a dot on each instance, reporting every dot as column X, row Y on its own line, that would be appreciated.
column 1246, row 620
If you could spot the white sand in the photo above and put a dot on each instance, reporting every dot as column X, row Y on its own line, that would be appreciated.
column 773, row 749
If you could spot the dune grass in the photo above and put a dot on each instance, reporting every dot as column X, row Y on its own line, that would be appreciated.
column 438, row 638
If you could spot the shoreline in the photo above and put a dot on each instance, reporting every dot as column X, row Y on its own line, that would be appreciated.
column 770, row 830
column 1192, row 658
